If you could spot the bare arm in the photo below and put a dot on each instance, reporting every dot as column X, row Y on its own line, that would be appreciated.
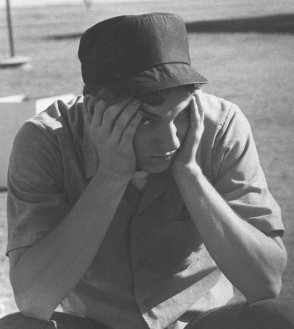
column 252, row 261
column 43, row 274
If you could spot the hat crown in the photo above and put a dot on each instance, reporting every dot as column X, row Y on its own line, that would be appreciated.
column 124, row 45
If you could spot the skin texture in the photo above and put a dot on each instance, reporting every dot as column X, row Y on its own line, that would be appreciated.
column 227, row 237
column 161, row 126
column 162, row 131
column 127, row 139
column 112, row 128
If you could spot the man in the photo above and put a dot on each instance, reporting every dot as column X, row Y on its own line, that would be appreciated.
column 142, row 204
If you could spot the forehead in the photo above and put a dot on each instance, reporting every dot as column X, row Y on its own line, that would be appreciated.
column 161, row 102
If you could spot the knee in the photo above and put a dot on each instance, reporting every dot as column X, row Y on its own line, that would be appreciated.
column 19, row 321
column 277, row 313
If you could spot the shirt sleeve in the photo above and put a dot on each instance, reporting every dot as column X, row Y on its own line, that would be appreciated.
column 239, row 178
column 36, row 201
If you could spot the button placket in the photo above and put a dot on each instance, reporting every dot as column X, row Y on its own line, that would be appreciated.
column 140, row 262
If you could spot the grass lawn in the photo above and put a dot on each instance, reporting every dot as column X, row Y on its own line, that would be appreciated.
column 255, row 70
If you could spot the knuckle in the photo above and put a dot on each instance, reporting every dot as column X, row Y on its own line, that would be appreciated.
column 132, row 107
column 127, row 114
column 108, row 115
column 135, row 120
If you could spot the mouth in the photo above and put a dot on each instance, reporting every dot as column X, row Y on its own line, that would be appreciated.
column 163, row 157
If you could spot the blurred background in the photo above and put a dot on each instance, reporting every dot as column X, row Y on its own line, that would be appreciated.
column 244, row 48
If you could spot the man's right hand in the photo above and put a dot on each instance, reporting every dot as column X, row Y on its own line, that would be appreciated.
column 44, row 273
column 112, row 129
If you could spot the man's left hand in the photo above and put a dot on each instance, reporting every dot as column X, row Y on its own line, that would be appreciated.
column 186, row 155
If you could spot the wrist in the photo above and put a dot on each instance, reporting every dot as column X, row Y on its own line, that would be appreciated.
column 117, row 171
column 111, row 178
column 184, row 172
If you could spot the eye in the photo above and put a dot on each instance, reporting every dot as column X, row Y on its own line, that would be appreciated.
column 145, row 122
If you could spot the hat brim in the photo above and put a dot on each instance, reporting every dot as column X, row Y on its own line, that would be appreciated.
column 160, row 77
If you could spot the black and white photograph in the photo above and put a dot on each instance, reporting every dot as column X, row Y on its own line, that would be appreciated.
column 146, row 164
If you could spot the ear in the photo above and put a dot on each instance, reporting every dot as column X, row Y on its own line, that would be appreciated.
column 89, row 105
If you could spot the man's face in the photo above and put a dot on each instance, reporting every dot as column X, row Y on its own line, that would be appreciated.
column 162, row 130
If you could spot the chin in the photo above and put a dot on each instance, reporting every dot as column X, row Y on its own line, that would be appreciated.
column 154, row 169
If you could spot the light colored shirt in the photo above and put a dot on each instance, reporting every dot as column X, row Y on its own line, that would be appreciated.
column 152, row 269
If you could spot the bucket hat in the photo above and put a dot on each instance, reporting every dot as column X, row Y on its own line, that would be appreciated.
column 138, row 54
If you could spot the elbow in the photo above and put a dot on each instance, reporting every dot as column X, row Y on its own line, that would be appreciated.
column 269, row 290
column 273, row 289
column 269, row 284
column 33, row 307
column 32, row 302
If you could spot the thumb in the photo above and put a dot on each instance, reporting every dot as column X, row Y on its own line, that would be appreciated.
column 89, row 103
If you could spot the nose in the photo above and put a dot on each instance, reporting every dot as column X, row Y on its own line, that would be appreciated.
column 167, row 139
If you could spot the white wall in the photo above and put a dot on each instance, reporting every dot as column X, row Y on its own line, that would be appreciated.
column 12, row 116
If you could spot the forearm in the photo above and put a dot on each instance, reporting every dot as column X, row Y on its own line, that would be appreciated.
column 252, row 261
column 48, row 270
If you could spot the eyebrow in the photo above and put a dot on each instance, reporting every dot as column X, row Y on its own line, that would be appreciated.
column 156, row 116
column 152, row 115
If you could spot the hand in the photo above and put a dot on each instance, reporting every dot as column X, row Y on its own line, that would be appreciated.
column 112, row 129
column 186, row 155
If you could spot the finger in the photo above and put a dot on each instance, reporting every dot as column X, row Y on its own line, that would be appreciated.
column 99, row 109
column 198, row 110
column 124, row 118
column 111, row 114
column 129, row 132
column 194, row 114
column 89, row 103
column 86, row 115
column 200, row 101
column 101, row 106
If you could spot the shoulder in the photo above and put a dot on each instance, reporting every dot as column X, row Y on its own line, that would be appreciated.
column 219, row 112
column 41, row 135
column 58, row 115
column 226, row 133
column 224, row 121
column 58, row 119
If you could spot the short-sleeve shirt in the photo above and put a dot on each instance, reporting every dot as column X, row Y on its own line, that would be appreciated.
column 152, row 269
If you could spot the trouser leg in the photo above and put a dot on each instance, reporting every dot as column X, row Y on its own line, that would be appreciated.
column 275, row 313
column 58, row 321
column 268, row 314
column 218, row 318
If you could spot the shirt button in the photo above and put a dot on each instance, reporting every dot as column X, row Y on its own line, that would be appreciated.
column 148, row 301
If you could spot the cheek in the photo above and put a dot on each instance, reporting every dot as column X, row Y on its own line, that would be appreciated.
column 141, row 143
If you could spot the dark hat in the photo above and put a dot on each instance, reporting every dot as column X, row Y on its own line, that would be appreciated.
column 137, row 54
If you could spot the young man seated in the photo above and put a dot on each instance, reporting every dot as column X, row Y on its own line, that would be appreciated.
column 142, row 203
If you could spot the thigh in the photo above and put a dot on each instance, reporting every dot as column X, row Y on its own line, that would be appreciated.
column 277, row 313
column 58, row 321
column 218, row 318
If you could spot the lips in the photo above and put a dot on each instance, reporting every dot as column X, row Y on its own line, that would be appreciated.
column 163, row 157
